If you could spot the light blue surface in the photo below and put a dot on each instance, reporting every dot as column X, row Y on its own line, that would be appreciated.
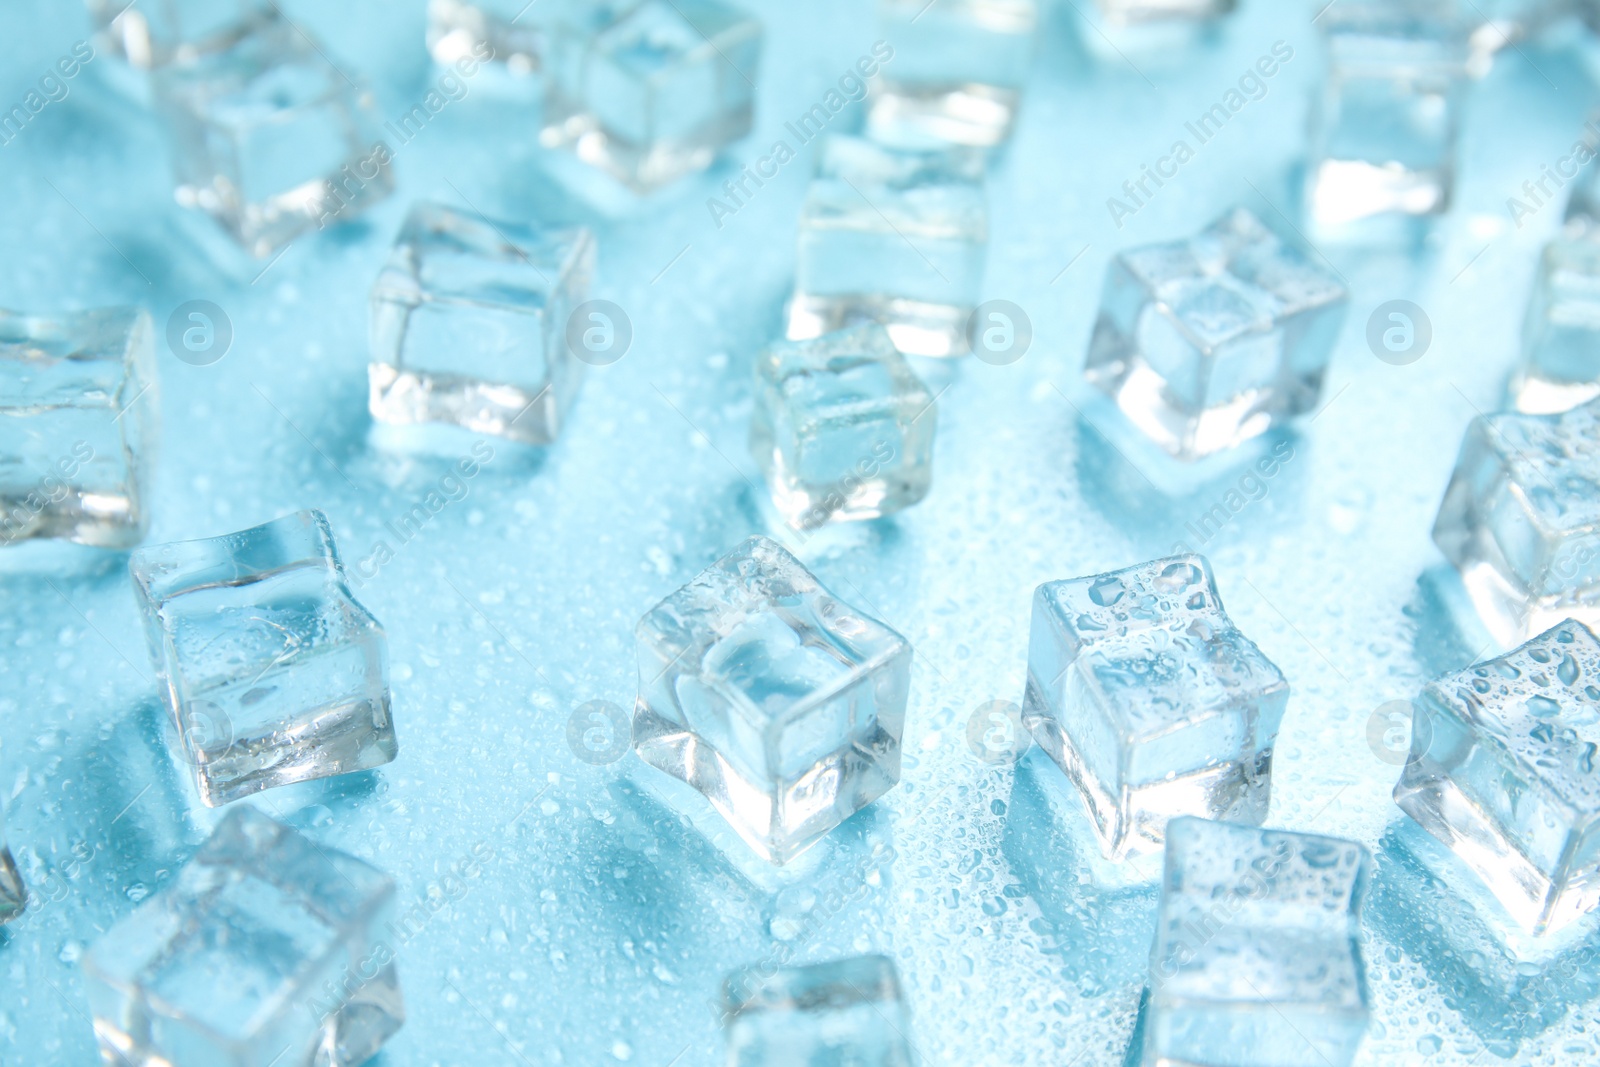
column 597, row 930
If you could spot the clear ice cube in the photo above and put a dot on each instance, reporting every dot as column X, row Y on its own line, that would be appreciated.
column 649, row 90
column 1206, row 343
column 469, row 324
column 1160, row 32
column 266, row 950
column 1502, row 770
column 271, row 670
column 781, row 704
column 78, row 419
column 1521, row 520
column 893, row 237
column 848, row 1011
column 154, row 33
column 1560, row 366
column 956, row 74
column 1151, row 701
column 513, row 32
column 1257, row 957
column 271, row 139
column 842, row 428
column 1384, row 128
column 13, row 894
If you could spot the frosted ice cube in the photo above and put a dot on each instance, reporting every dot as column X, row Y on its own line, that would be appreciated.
column 1560, row 366
column 1204, row 344
column 783, row 705
column 893, row 237
column 848, row 1011
column 153, row 33
column 956, row 74
column 267, row 950
column 512, row 32
column 649, row 90
column 271, row 139
column 1521, row 520
column 1151, row 701
column 1502, row 770
column 78, row 418
column 271, row 670
column 1383, row 132
column 1257, row 959
column 843, row 428
column 469, row 324
column 13, row 894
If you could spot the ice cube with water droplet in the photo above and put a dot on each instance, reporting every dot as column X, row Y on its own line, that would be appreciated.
column 1257, row 959
column 848, row 1011
column 1521, row 520
column 781, row 704
column 1503, row 771
column 1142, row 690
column 271, row 670
column 266, row 950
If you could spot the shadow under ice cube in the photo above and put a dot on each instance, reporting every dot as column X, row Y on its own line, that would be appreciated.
column 1521, row 520
column 469, row 324
column 781, row 704
column 77, row 427
column 265, row 951
column 1206, row 343
column 1560, row 366
column 649, row 90
column 848, row 1011
column 893, row 237
column 1257, row 959
column 957, row 72
column 1150, row 700
column 270, row 139
column 271, row 670
column 1502, row 770
column 843, row 428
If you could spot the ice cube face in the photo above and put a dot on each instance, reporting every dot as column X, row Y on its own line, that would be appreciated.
column 13, row 894
column 1521, row 520
column 1150, row 700
column 956, row 74
column 1561, row 335
column 893, row 237
column 259, row 953
column 270, row 139
column 649, row 90
column 1206, row 343
column 78, row 417
column 154, row 33
column 1383, row 132
column 271, row 670
column 848, row 1011
column 1502, row 771
column 1257, row 961
column 843, row 428
column 781, row 704
column 511, row 31
column 469, row 324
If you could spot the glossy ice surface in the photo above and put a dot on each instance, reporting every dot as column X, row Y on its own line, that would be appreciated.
column 1560, row 366
column 847, row 1011
column 13, row 894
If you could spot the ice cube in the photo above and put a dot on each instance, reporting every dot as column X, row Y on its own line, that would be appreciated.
column 1151, row 701
column 1383, row 131
column 1560, row 366
column 1159, row 32
column 1257, row 959
column 1207, row 343
column 893, row 237
column 512, row 32
column 649, row 90
column 78, row 418
column 843, row 428
column 956, row 72
column 469, row 324
column 271, row 139
column 1502, row 770
column 271, row 670
column 266, row 949
column 848, row 1011
column 1521, row 520
column 781, row 704
column 154, row 33
column 13, row 894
